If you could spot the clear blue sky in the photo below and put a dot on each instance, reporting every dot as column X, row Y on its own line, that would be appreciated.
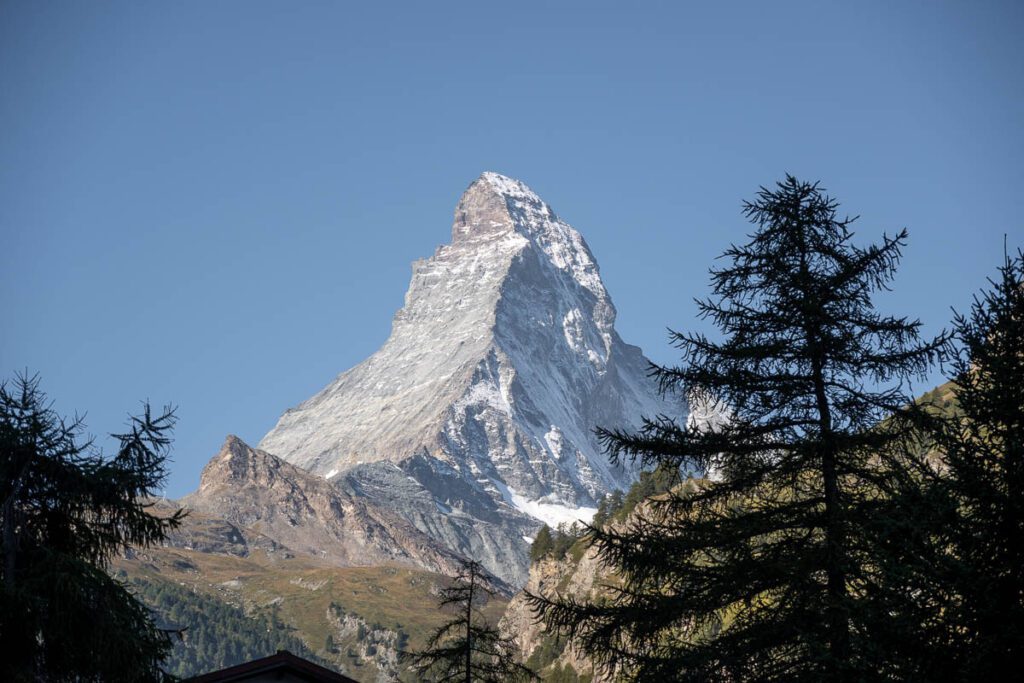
column 216, row 204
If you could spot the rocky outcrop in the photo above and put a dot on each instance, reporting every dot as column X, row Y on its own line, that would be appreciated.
column 569, row 576
column 210, row 535
column 432, row 497
column 374, row 647
column 485, row 397
column 248, row 491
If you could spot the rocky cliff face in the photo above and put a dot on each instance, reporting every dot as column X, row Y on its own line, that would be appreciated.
column 579, row 578
column 255, row 496
column 475, row 419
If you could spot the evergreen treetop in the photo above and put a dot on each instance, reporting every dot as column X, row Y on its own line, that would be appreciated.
column 542, row 543
column 981, row 545
column 64, row 511
column 467, row 648
column 766, row 571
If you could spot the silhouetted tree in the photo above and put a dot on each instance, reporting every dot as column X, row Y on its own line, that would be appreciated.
column 65, row 510
column 983, row 453
column 766, row 571
column 467, row 648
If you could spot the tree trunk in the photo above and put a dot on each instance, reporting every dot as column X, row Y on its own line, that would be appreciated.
column 469, row 630
column 837, row 622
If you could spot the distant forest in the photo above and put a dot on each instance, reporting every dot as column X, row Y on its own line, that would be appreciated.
column 215, row 634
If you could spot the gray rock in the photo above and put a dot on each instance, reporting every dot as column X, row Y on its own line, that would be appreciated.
column 499, row 366
column 252, row 495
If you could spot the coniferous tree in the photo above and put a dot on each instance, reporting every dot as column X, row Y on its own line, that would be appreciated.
column 603, row 512
column 982, row 448
column 542, row 543
column 65, row 510
column 467, row 648
column 766, row 570
column 615, row 499
column 649, row 483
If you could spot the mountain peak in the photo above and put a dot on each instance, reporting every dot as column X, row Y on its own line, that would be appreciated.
column 305, row 513
column 235, row 461
column 499, row 366
column 495, row 205
column 508, row 187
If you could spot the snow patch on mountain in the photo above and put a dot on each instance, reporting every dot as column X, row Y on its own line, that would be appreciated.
column 500, row 365
column 552, row 514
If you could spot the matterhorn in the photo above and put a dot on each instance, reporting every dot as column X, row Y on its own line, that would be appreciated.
column 475, row 420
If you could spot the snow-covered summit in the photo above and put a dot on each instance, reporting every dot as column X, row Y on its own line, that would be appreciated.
column 509, row 187
column 494, row 205
column 500, row 364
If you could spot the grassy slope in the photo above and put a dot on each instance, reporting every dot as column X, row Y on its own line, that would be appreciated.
column 300, row 591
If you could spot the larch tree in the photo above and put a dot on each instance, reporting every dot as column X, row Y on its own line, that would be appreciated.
column 982, row 447
column 467, row 648
column 767, row 570
column 65, row 511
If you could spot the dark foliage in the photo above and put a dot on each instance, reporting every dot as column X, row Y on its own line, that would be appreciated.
column 65, row 511
column 978, row 569
column 557, row 543
column 607, row 508
column 650, row 483
column 614, row 507
column 467, row 648
column 543, row 543
column 770, row 570
column 216, row 635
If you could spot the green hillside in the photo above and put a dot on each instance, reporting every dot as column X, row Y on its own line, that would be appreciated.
column 352, row 619
column 215, row 633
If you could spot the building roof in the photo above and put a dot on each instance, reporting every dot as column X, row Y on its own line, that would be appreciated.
column 283, row 662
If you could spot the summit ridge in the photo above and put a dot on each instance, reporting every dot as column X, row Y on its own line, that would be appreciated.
column 484, row 399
